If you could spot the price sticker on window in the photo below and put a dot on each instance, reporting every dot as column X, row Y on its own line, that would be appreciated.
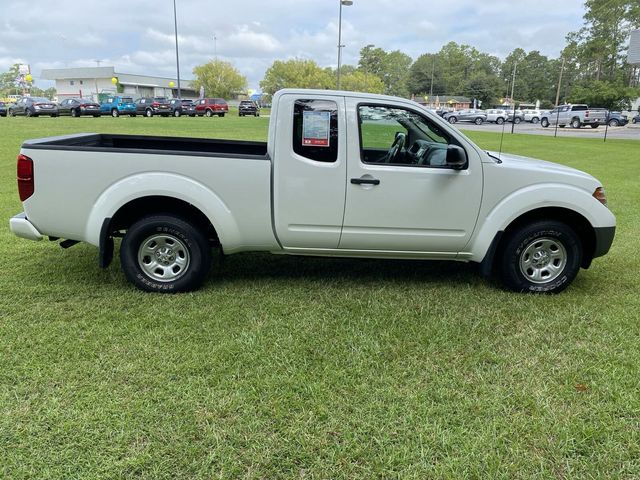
column 316, row 126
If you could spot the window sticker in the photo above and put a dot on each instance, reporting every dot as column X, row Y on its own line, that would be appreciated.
column 315, row 128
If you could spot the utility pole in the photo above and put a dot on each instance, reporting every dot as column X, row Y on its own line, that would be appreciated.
column 559, row 83
column 433, row 69
column 513, row 80
column 175, row 24
column 345, row 3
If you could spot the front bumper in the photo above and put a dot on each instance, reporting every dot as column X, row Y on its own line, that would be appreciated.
column 604, row 239
column 23, row 228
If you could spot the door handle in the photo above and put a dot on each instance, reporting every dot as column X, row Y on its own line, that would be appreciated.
column 365, row 181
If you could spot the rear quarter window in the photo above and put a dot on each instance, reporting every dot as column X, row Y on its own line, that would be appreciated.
column 315, row 130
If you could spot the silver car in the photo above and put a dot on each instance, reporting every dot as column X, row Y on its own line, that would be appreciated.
column 532, row 116
column 470, row 115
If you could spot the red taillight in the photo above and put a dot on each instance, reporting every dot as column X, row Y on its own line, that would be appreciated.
column 25, row 177
column 586, row 114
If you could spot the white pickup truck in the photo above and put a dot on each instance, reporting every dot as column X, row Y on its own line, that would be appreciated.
column 342, row 174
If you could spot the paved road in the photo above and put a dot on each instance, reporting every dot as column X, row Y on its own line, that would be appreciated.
column 630, row 132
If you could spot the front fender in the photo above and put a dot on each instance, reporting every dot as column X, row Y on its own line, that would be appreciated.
column 532, row 198
column 167, row 185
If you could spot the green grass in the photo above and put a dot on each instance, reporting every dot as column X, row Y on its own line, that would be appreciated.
column 284, row 367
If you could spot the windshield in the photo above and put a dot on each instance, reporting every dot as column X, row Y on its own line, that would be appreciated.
column 127, row 100
column 40, row 99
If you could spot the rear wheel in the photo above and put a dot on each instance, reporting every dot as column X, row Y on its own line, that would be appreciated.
column 162, row 253
column 75, row 112
column 517, row 120
column 478, row 121
column 115, row 113
column 452, row 120
column 28, row 113
column 544, row 256
column 500, row 121
column 575, row 123
column 148, row 113
column 544, row 122
column 176, row 113
column 535, row 120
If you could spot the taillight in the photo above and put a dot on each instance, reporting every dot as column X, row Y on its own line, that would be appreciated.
column 25, row 177
column 586, row 114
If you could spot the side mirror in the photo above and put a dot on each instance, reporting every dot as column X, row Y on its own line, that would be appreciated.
column 456, row 157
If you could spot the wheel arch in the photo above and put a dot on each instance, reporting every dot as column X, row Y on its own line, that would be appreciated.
column 580, row 224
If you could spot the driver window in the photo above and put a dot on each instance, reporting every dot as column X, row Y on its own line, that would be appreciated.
column 400, row 137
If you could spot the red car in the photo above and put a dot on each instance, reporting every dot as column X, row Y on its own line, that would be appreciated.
column 211, row 106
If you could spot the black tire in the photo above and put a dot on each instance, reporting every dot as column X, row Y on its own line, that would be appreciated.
column 452, row 120
column 208, row 113
column 575, row 123
column 75, row 112
column 148, row 113
column 500, row 120
column 478, row 121
column 535, row 120
column 634, row 121
column 177, row 113
column 561, row 126
column 529, row 240
column 115, row 113
column 517, row 120
column 28, row 113
column 188, row 242
column 614, row 123
column 11, row 113
column 544, row 122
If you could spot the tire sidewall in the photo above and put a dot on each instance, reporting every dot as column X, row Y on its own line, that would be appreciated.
column 193, row 239
column 521, row 238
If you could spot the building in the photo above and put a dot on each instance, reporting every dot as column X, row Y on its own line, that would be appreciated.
column 447, row 102
column 91, row 82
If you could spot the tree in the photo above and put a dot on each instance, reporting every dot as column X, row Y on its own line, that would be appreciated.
column 362, row 82
column 391, row 67
column 295, row 73
column 219, row 78
column 603, row 93
column 8, row 80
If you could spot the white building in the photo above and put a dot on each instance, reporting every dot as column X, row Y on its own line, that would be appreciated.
column 92, row 81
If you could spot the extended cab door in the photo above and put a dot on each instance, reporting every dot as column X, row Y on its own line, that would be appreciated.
column 309, row 171
column 401, row 197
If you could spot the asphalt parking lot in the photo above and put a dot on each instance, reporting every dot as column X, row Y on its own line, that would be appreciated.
column 629, row 132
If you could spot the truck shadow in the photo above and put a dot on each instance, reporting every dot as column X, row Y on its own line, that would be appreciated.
column 257, row 266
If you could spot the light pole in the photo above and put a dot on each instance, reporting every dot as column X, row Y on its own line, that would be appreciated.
column 175, row 24
column 346, row 3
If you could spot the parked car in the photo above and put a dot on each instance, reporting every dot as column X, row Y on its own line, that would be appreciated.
column 496, row 115
column 616, row 119
column 175, row 200
column 248, row 107
column 470, row 115
column 211, row 106
column 532, row 116
column 77, row 107
column 516, row 118
column 180, row 106
column 635, row 119
column 33, row 107
column 150, row 107
column 117, row 105
column 574, row 115
column 3, row 109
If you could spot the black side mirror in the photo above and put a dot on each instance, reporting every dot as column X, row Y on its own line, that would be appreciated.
column 456, row 157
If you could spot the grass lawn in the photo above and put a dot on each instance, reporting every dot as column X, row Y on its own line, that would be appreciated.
column 285, row 367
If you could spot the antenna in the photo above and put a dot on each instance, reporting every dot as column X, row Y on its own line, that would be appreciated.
column 501, row 139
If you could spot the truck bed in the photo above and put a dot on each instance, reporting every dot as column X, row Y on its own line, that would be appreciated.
column 92, row 142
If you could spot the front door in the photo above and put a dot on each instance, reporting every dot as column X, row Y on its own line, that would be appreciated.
column 400, row 194
column 310, row 172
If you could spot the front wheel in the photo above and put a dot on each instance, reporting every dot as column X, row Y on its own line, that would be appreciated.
column 544, row 256
column 478, row 121
column 613, row 123
column 75, row 112
column 453, row 120
column 535, row 120
column 115, row 113
column 517, row 120
column 162, row 253
column 500, row 121
column 176, row 113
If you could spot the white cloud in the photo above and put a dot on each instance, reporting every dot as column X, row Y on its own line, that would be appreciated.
column 253, row 33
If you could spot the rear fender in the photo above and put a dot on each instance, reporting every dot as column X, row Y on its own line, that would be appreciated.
column 167, row 185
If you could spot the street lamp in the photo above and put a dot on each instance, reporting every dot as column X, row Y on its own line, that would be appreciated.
column 175, row 24
column 346, row 3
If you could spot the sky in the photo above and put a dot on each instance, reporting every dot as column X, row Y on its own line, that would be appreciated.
column 137, row 36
